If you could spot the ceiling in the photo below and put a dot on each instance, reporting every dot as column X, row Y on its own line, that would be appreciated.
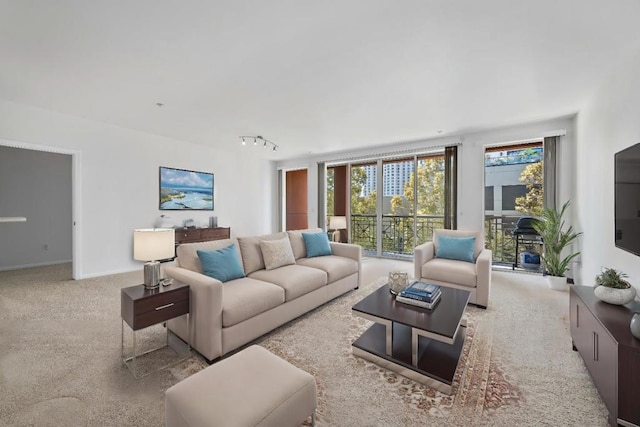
column 311, row 76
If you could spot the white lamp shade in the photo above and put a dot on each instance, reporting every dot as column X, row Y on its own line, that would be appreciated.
column 338, row 223
column 152, row 244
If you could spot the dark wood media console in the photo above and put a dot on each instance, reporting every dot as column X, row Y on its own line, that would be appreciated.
column 601, row 334
column 191, row 235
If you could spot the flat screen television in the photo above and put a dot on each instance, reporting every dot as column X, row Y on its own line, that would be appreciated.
column 627, row 199
column 182, row 189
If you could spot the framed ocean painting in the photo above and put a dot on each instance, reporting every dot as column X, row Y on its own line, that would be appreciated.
column 182, row 189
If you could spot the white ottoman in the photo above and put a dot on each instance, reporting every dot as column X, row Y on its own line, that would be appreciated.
column 250, row 388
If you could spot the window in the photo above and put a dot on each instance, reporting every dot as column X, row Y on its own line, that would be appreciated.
column 509, row 195
column 488, row 198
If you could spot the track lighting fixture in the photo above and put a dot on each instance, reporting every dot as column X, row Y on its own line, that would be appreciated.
column 256, row 139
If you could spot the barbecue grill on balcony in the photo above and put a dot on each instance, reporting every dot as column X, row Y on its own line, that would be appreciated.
column 525, row 234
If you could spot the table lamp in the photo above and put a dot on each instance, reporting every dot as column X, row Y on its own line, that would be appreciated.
column 337, row 223
column 151, row 245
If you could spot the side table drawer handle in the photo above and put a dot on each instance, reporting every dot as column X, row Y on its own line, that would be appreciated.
column 164, row 306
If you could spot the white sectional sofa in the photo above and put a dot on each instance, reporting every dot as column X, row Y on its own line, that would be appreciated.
column 225, row 316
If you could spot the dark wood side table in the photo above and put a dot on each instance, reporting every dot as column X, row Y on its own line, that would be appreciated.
column 141, row 308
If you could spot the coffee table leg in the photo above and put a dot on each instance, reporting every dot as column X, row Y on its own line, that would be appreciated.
column 414, row 347
column 389, row 349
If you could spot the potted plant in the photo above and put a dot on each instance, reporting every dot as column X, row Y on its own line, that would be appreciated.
column 612, row 288
column 555, row 238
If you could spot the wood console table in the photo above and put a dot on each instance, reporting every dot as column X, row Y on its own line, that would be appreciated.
column 192, row 235
column 601, row 334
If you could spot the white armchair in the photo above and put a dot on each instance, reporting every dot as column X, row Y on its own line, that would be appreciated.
column 474, row 277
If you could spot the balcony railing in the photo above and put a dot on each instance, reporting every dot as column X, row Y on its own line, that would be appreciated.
column 398, row 240
column 397, row 232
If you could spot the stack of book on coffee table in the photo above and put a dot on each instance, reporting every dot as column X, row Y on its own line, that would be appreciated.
column 420, row 294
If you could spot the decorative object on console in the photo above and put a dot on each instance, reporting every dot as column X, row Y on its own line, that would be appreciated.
column 259, row 140
column 213, row 221
column 337, row 224
column 635, row 325
column 182, row 189
column 397, row 281
column 555, row 239
column 163, row 221
column 151, row 245
column 612, row 288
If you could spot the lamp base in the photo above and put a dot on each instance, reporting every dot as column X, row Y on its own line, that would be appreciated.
column 152, row 275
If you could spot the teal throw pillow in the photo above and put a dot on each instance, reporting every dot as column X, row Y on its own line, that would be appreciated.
column 458, row 248
column 316, row 244
column 222, row 264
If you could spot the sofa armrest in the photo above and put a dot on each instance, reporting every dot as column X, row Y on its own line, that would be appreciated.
column 348, row 250
column 205, row 313
column 483, row 271
column 421, row 254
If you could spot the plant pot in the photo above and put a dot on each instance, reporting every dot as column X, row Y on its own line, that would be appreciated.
column 558, row 283
column 614, row 295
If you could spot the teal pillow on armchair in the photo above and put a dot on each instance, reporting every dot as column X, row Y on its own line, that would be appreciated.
column 458, row 248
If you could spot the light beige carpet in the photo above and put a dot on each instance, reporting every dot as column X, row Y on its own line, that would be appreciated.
column 60, row 360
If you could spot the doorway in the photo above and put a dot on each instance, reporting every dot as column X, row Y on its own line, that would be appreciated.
column 296, row 200
column 514, row 188
column 42, row 216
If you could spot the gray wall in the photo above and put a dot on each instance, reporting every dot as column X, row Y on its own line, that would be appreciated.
column 36, row 185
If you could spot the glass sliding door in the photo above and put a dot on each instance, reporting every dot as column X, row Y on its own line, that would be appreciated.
column 398, row 222
column 364, row 206
column 429, row 196
column 393, row 205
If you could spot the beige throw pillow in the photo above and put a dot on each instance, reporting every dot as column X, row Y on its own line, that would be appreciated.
column 277, row 253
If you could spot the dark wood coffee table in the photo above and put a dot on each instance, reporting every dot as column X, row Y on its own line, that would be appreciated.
column 421, row 344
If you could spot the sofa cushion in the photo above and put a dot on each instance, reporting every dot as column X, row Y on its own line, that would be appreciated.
column 188, row 252
column 247, row 297
column 316, row 244
column 451, row 271
column 297, row 241
column 296, row 280
column 479, row 243
column 336, row 267
column 252, row 254
column 458, row 248
column 222, row 264
column 277, row 253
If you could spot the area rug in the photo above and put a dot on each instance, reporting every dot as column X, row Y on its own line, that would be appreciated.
column 320, row 343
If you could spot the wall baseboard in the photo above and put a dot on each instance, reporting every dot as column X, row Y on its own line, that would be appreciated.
column 37, row 264
column 109, row 273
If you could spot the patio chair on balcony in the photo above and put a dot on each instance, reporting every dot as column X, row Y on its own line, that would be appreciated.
column 455, row 259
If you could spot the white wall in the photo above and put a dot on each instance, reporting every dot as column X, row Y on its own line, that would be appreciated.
column 609, row 123
column 470, row 163
column 118, row 180
column 36, row 185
